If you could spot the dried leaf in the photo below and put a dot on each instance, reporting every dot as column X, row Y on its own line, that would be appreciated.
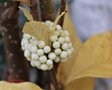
column 38, row 30
column 18, row 86
column 94, row 58
column 26, row 13
column 64, row 67
column 26, row 2
column 57, row 19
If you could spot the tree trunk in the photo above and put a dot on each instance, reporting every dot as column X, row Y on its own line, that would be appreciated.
column 17, row 66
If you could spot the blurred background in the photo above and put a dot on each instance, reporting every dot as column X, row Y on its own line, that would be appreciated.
column 90, row 17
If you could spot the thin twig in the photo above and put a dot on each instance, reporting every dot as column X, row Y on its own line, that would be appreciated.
column 62, row 9
column 34, row 9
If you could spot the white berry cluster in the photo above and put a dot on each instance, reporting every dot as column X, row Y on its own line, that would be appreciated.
column 41, row 55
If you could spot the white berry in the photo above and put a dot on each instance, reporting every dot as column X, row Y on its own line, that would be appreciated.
column 64, row 59
column 57, row 33
column 64, row 55
column 51, row 56
column 70, row 45
column 34, row 42
column 37, row 63
column 49, row 62
column 44, row 67
column 57, row 51
column 32, row 63
column 53, row 38
column 40, row 52
column 47, row 49
column 27, row 53
column 57, row 59
column 24, row 41
column 67, row 39
column 50, row 67
column 41, row 44
column 33, row 49
column 65, row 46
column 72, row 49
column 66, row 33
column 61, row 40
column 58, row 27
column 56, row 44
column 69, row 51
column 26, row 36
column 43, row 59
column 48, row 22
column 34, row 57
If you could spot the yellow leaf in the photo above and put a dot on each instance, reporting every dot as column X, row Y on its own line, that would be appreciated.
column 57, row 19
column 94, row 58
column 18, row 86
column 26, row 13
column 38, row 30
column 65, row 67
column 26, row 2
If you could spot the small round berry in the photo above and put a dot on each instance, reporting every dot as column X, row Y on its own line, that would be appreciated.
column 43, row 59
column 33, row 49
column 64, row 55
column 57, row 59
column 58, row 27
column 40, row 52
column 24, row 41
column 44, row 67
column 63, row 34
column 26, row 36
column 70, row 45
column 56, row 44
column 61, row 40
column 35, row 42
column 34, row 56
column 48, row 22
column 57, row 51
column 66, row 33
column 49, row 62
column 37, row 64
column 22, row 47
column 51, row 24
column 47, row 49
column 28, row 46
column 41, row 44
column 64, row 59
column 53, row 38
column 28, row 58
column 27, row 53
column 32, row 63
column 65, row 46
column 72, row 49
column 57, row 33
column 67, row 39
column 69, row 52
column 50, row 67
column 51, row 56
